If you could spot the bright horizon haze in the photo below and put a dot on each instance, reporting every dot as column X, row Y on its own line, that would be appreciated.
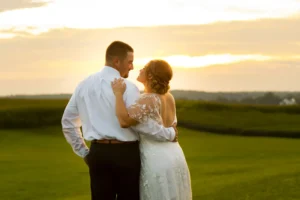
column 48, row 47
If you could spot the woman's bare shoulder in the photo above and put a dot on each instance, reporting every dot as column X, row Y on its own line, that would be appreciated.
column 170, row 99
column 170, row 96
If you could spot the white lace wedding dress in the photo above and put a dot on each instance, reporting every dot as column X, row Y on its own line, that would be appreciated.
column 164, row 173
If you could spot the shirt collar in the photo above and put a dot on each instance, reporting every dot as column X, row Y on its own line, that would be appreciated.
column 109, row 71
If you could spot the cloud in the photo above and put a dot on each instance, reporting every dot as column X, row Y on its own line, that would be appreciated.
column 69, row 55
column 264, row 37
column 13, row 32
column 6, row 5
column 91, row 13
column 272, row 75
column 244, row 76
column 245, row 10
column 183, row 61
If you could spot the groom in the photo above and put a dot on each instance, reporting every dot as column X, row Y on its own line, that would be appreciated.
column 114, row 157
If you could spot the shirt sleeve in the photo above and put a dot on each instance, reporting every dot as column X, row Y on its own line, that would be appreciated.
column 71, row 128
column 131, row 95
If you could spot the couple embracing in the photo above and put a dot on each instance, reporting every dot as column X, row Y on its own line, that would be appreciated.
column 134, row 153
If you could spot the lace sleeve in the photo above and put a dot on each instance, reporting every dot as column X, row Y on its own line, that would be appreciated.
column 147, row 106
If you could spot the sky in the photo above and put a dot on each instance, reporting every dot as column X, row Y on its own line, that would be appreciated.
column 49, row 46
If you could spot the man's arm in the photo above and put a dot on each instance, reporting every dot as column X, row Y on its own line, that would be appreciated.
column 71, row 128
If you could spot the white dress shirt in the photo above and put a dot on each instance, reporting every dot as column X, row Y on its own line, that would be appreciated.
column 92, row 107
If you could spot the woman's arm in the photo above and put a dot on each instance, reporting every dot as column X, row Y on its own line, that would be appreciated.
column 122, row 113
column 139, row 112
column 119, row 88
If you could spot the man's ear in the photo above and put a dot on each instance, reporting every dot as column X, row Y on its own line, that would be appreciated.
column 116, row 61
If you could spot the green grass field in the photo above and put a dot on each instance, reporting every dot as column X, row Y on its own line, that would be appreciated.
column 279, row 121
column 237, row 119
column 38, row 164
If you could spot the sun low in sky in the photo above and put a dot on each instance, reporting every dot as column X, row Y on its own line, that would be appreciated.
column 212, row 45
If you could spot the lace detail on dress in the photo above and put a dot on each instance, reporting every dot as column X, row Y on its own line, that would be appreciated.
column 146, row 107
column 164, row 171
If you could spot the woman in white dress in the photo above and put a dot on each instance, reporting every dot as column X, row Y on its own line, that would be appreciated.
column 164, row 172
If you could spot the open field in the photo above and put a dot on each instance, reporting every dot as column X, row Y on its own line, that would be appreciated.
column 39, row 164
column 279, row 121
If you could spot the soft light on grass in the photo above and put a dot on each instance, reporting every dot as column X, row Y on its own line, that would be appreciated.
column 39, row 164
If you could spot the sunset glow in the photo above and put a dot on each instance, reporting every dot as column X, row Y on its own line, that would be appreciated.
column 93, row 14
column 49, row 46
column 182, row 61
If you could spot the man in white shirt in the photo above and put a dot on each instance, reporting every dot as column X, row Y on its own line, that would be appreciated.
column 114, row 157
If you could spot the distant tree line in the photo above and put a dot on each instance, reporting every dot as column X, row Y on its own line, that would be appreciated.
column 268, row 98
column 263, row 98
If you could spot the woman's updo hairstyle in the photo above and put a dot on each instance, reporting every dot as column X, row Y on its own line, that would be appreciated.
column 158, row 73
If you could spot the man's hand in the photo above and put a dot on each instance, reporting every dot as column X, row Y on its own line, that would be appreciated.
column 176, row 132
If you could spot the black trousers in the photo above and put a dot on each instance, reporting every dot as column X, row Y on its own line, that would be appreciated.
column 114, row 171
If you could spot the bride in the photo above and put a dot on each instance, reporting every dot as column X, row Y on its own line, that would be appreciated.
column 164, row 172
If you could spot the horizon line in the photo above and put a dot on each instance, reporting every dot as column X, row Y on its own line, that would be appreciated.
column 202, row 91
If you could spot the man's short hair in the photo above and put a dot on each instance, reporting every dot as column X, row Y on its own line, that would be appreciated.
column 118, row 49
